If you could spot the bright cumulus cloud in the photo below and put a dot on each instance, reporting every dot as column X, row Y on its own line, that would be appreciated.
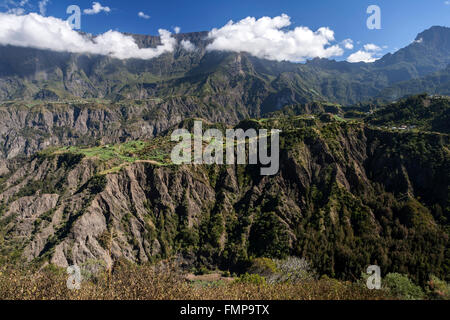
column 348, row 44
column 34, row 30
column 267, row 38
column 96, row 8
column 370, row 53
column 361, row 56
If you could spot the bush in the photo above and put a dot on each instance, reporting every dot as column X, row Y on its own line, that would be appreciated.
column 438, row 289
column 263, row 266
column 402, row 287
column 294, row 269
column 226, row 274
column 201, row 271
column 255, row 279
column 97, row 184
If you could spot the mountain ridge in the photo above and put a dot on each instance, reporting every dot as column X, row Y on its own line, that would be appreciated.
column 283, row 83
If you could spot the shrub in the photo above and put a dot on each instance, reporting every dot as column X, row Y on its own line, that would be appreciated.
column 263, row 266
column 226, row 274
column 294, row 269
column 201, row 271
column 97, row 184
column 255, row 279
column 402, row 287
column 438, row 289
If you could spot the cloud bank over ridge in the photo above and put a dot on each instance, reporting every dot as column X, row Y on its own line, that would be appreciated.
column 369, row 54
column 266, row 38
column 34, row 30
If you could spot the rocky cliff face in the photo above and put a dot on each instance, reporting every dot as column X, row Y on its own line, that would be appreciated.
column 28, row 128
column 346, row 196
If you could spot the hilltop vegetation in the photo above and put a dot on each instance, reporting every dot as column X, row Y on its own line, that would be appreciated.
column 422, row 112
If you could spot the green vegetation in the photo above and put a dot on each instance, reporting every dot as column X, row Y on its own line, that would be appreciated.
column 260, row 85
column 400, row 286
column 438, row 289
column 156, row 151
column 417, row 112
column 126, row 152
column 268, row 236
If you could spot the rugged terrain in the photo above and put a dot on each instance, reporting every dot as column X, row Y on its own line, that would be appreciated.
column 347, row 195
column 86, row 176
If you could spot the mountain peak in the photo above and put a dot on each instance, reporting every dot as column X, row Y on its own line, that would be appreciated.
column 436, row 35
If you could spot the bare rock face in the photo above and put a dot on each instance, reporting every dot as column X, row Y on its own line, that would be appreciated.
column 25, row 130
column 28, row 209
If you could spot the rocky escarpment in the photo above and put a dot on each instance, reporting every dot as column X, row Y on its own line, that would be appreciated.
column 29, row 127
column 26, row 128
column 346, row 196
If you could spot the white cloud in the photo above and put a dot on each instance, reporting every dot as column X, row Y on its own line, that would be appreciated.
column 143, row 15
column 187, row 45
column 43, row 7
column 267, row 38
column 348, row 44
column 447, row 3
column 370, row 53
column 361, row 56
column 371, row 47
column 34, row 30
column 96, row 8
column 177, row 30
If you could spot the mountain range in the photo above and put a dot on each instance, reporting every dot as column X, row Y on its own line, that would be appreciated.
column 232, row 80
column 86, row 175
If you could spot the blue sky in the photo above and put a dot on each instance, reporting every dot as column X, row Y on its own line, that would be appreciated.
column 401, row 20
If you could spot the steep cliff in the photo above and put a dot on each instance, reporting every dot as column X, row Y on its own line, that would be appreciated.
column 26, row 128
